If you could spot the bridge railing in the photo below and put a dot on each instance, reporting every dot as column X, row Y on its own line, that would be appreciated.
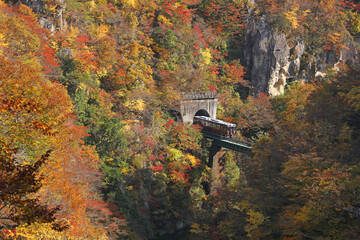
column 236, row 145
column 239, row 141
column 199, row 95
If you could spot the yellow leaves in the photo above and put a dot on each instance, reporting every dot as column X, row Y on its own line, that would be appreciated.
column 135, row 61
column 194, row 2
column 54, row 45
column 254, row 218
column 354, row 18
column 18, row 38
column 300, row 167
column 130, row 3
column 129, row 124
column 173, row 178
column 135, row 49
column 72, row 34
column 135, row 105
column 101, row 72
column 305, row 13
column 197, row 228
column 353, row 97
column 139, row 105
column 292, row 17
column 175, row 155
column 38, row 231
column 296, row 102
column 52, row 8
column 163, row 19
column 125, row 171
column 241, row 2
column 303, row 216
column 3, row 42
column 176, row 5
column 32, row 103
column 83, row 87
column 295, row 15
column 91, row 5
column 133, row 20
column 102, row 30
column 334, row 41
column 193, row 160
column 29, row 99
column 206, row 56
column 334, row 37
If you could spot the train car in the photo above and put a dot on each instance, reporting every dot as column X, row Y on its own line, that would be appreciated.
column 216, row 127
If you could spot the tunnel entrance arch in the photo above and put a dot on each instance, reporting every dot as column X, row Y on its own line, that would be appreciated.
column 197, row 104
column 202, row 112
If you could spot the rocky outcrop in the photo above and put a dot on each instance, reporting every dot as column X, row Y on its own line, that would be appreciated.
column 272, row 64
column 351, row 55
column 267, row 56
column 50, row 19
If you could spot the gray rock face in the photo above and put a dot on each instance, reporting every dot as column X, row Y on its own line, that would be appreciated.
column 36, row 5
column 64, row 53
column 267, row 55
column 351, row 55
column 49, row 20
column 273, row 64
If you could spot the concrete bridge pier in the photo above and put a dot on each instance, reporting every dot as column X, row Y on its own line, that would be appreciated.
column 217, row 164
column 205, row 104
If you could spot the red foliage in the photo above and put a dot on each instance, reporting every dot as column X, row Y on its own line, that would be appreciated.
column 349, row 4
column 235, row 73
column 44, row 54
column 212, row 88
column 214, row 70
column 225, row 17
column 169, row 123
column 157, row 168
column 82, row 40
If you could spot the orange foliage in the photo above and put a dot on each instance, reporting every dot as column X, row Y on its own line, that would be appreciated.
column 37, row 116
column 25, row 39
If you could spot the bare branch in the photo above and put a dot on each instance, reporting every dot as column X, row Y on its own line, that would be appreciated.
column 356, row 213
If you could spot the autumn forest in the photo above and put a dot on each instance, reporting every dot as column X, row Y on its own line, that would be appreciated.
column 90, row 147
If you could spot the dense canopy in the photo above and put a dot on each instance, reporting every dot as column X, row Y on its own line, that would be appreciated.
column 90, row 149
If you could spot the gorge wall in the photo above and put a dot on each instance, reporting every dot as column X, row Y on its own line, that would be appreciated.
column 272, row 63
column 269, row 59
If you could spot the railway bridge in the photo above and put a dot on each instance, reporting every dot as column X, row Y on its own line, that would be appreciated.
column 205, row 104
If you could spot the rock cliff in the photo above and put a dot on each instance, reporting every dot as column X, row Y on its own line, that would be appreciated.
column 273, row 64
column 49, row 19
column 269, row 59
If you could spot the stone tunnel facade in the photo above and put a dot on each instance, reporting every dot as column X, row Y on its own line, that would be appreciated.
column 198, row 104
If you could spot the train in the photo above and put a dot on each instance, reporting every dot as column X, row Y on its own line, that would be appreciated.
column 215, row 127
